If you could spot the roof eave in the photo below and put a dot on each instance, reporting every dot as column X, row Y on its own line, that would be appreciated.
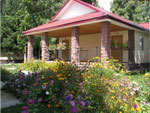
column 129, row 24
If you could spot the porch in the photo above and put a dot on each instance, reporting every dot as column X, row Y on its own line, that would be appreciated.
column 87, row 41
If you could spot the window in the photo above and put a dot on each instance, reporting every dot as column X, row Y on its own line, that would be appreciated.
column 142, row 43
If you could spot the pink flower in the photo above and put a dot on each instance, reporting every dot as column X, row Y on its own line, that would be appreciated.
column 52, row 82
column 25, row 91
column 135, row 106
column 25, row 108
column 39, row 100
column 24, row 112
column 31, row 101
column 21, row 77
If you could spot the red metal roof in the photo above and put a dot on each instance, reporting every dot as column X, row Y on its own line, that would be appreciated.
column 146, row 25
column 98, row 15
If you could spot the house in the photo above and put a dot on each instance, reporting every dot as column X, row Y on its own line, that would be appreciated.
column 89, row 31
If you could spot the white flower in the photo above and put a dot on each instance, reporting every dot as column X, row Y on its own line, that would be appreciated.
column 132, row 93
column 47, row 93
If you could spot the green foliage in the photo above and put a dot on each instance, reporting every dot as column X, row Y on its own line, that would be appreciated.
column 20, row 15
column 6, row 75
column 135, row 10
column 34, row 66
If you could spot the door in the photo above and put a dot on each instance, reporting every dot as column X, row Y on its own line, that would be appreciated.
column 65, row 53
column 117, row 51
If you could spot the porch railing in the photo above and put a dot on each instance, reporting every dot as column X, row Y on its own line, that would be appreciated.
column 66, row 54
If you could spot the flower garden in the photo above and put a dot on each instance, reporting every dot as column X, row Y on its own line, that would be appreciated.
column 61, row 87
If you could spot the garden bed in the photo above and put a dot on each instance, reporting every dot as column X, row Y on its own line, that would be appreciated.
column 66, row 88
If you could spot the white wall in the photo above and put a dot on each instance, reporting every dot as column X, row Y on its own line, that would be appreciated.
column 74, row 10
column 90, row 42
column 142, row 56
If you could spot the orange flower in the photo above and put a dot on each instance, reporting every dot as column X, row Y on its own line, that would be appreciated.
column 72, row 92
column 56, row 105
column 48, row 105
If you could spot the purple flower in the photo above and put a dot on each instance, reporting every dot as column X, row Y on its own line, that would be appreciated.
column 39, row 100
column 82, row 103
column 25, row 108
column 70, row 96
column 74, row 110
column 24, row 112
column 72, row 103
column 52, row 82
column 21, row 77
column 84, row 94
column 67, row 98
column 60, row 59
column 87, row 103
column 78, row 98
column 25, row 91
column 135, row 106
column 31, row 101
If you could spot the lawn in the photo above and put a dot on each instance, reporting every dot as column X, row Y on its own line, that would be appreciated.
column 9, row 65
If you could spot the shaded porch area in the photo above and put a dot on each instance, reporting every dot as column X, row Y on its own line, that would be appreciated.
column 87, row 41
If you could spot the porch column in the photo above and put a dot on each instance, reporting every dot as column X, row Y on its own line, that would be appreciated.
column 30, row 47
column 45, row 47
column 75, row 48
column 131, row 44
column 105, row 40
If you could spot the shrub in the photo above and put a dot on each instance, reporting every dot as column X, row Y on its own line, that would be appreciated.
column 17, row 84
column 34, row 65
column 6, row 75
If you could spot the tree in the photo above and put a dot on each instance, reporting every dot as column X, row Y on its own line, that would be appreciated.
column 21, row 15
column 134, row 10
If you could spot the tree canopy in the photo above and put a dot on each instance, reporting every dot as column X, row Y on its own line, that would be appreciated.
column 135, row 10
column 21, row 15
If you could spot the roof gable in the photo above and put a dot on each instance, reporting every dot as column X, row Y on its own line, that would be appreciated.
column 73, row 8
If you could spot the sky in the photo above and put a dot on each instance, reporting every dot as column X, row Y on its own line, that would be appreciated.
column 105, row 4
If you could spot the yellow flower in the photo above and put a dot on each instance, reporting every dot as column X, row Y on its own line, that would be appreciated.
column 61, row 78
column 111, row 107
column 116, row 84
column 126, row 105
column 113, row 97
column 118, row 100
column 56, row 105
column 138, row 109
column 43, row 77
column 120, row 112
column 112, row 91
column 59, row 75
column 89, row 77
column 132, row 109
column 86, row 80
